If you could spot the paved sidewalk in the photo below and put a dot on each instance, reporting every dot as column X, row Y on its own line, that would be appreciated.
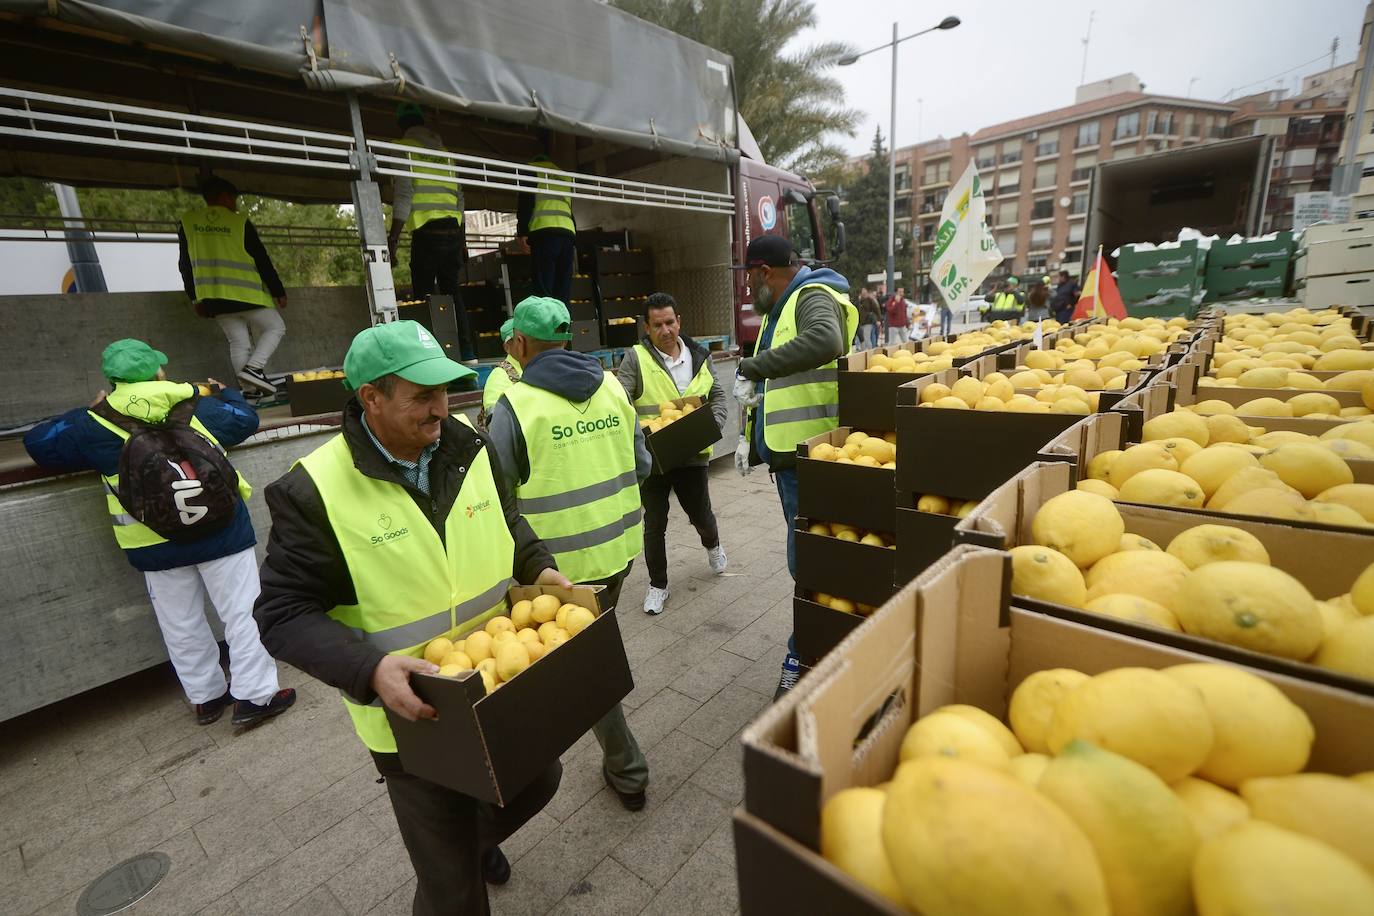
column 289, row 818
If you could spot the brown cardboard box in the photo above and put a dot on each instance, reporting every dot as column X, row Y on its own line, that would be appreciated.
column 923, row 538
column 949, row 637
column 317, row 396
column 682, row 440
column 1325, row 559
column 848, row 493
column 492, row 746
column 845, row 569
column 816, row 629
column 868, row 400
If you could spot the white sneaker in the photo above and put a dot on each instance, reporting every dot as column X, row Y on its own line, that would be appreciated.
column 716, row 557
column 654, row 599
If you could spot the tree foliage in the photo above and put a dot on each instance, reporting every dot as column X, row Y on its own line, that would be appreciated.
column 865, row 217
column 793, row 106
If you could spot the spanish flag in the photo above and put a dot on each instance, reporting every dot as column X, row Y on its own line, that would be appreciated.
column 1100, row 297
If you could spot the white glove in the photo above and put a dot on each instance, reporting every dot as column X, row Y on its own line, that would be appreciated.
column 742, row 457
column 744, row 392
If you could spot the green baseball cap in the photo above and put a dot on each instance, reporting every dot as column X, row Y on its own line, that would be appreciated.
column 408, row 110
column 542, row 318
column 131, row 360
column 507, row 329
column 402, row 348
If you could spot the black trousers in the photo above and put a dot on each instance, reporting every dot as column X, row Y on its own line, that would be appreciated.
column 694, row 496
column 553, row 253
column 446, row 833
column 436, row 256
column 621, row 758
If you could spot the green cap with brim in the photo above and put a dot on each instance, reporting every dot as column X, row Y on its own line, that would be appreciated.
column 507, row 329
column 542, row 318
column 403, row 348
column 131, row 360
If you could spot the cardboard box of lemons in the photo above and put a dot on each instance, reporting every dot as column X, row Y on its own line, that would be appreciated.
column 1257, row 868
column 1083, row 526
column 1138, row 458
column 1147, row 573
column 1136, row 609
column 1046, row 574
column 1330, row 809
column 1212, row 809
column 1252, row 606
column 1140, row 830
column 963, row 838
column 1350, row 649
column 852, row 839
column 1307, row 467
column 1259, row 731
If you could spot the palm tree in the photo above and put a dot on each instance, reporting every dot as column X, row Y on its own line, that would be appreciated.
column 790, row 102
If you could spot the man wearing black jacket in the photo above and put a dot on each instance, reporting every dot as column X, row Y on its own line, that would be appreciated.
column 373, row 536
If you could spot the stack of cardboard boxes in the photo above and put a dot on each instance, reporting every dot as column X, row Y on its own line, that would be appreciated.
column 1335, row 265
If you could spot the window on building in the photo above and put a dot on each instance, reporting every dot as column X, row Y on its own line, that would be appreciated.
column 1166, row 124
column 1043, row 208
column 1042, row 237
column 1078, row 203
column 928, row 232
column 940, row 196
column 1160, row 123
column 1006, row 243
column 1048, row 146
column 1127, row 125
column 942, row 170
column 928, row 174
column 1046, row 174
column 1011, row 151
column 1083, row 167
column 1073, row 256
column 928, row 203
column 1036, row 263
column 1006, row 213
column 1087, row 135
column 1125, row 152
column 1008, row 181
column 1190, row 125
column 1076, row 230
column 986, row 157
column 903, row 177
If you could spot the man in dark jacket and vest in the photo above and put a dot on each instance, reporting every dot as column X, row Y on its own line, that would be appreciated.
column 179, row 574
column 791, row 383
column 566, row 437
column 544, row 224
column 351, row 609
column 664, row 366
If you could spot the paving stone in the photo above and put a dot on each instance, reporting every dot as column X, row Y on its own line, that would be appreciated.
column 723, row 715
column 399, row 902
column 34, row 808
column 610, row 890
column 581, row 780
column 370, row 878
column 721, row 844
column 528, row 836
column 770, row 629
column 656, row 718
column 571, row 851
column 648, row 643
column 11, row 866
column 762, row 676
column 521, row 897
column 699, row 888
column 101, row 819
column 224, row 906
column 723, row 773
column 672, row 762
column 188, row 862
column 706, row 678
column 219, row 874
column 295, row 875
column 319, row 902
column 652, row 675
column 670, row 833
column 68, row 868
column 318, row 813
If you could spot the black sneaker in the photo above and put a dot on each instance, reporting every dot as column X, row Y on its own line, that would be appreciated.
column 254, row 377
column 495, row 866
column 209, row 713
column 247, row 714
column 633, row 801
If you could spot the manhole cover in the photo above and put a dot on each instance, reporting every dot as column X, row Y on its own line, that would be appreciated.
column 124, row 885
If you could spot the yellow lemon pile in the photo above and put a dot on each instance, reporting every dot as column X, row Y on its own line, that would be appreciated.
column 854, row 535
column 668, row 411
column 874, row 450
column 1314, row 351
column 997, row 391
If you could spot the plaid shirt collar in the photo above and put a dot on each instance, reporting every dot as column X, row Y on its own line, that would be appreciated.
column 416, row 473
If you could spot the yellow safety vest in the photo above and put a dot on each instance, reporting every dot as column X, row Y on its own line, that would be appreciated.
column 582, row 495
column 499, row 380
column 1005, row 302
column 806, row 404
column 658, row 387
column 411, row 586
column 431, row 199
column 220, row 265
column 131, row 534
column 552, row 203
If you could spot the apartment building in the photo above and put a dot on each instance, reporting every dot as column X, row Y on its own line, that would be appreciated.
column 1307, row 132
column 1362, row 202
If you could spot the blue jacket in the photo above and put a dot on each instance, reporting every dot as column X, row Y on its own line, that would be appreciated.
column 74, row 441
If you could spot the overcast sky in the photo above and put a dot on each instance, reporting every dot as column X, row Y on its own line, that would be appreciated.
column 1012, row 58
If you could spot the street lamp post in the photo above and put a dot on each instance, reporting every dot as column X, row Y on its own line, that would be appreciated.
column 948, row 22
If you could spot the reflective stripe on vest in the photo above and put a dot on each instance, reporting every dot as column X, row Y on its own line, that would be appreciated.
column 805, row 404
column 582, row 495
column 410, row 585
column 659, row 387
column 220, row 265
column 552, row 204
column 431, row 199
column 129, row 532
column 1005, row 302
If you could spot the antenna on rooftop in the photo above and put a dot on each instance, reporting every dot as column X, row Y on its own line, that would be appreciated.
column 1335, row 43
column 1083, row 73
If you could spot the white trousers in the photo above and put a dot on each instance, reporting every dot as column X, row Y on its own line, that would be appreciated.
column 178, row 597
column 896, row 336
column 253, row 336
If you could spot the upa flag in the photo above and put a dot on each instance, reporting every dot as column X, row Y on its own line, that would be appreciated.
column 1100, row 298
column 965, row 251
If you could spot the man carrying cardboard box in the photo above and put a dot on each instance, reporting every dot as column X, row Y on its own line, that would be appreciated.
column 664, row 366
column 393, row 532
column 566, row 437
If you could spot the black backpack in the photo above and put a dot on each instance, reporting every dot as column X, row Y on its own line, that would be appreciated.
column 171, row 478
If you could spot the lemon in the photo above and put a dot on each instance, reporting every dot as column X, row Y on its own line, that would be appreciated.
column 967, row 389
column 1265, row 407
column 1271, row 441
column 1100, row 487
column 945, row 734
column 1227, row 428
column 932, row 503
column 1033, row 703
column 1258, row 869
column 1140, row 713
column 478, row 646
column 543, row 608
column 1141, row 831
column 1203, row 544
column 1029, row 767
column 950, row 402
column 1212, row 467
column 1348, row 448
column 1212, row 407
column 456, row 659
column 1212, row 809
column 1045, row 574
column 499, row 625
column 579, row 619
column 988, row 723
column 1364, row 780
column 1362, row 592
column 1357, row 496
column 1083, row 526
column 1362, row 431
column 511, row 659
column 1307, row 467
column 966, row 840
column 1328, row 808
column 1336, row 514
column 1243, row 481
column 1180, row 423
column 1263, row 378
column 522, row 614
column 852, row 839
column 1258, row 730
column 1157, row 486
column 1335, row 615
column 1156, row 576
column 1350, row 649
column 1315, row 403
column 1100, row 464
column 1137, row 458
column 1344, row 360
column 437, row 648
column 1182, row 449
column 1252, row 606
column 1135, row 608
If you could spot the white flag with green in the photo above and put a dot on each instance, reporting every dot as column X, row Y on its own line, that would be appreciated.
column 965, row 251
